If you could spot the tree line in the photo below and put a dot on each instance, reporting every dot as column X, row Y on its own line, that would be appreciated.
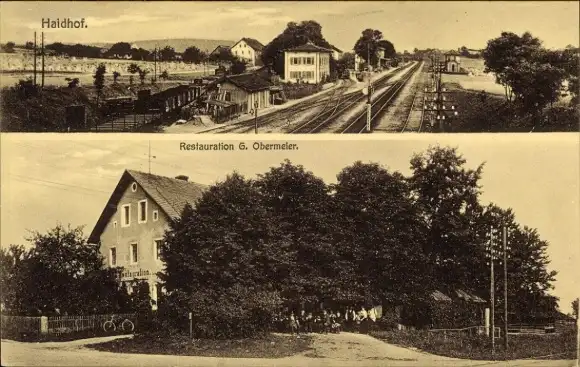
column 286, row 239
column 252, row 247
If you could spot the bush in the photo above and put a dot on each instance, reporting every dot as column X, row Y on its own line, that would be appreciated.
column 233, row 313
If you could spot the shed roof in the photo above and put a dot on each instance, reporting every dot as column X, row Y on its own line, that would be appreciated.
column 170, row 194
column 249, row 82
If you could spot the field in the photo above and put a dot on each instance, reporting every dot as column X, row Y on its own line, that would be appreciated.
column 477, row 80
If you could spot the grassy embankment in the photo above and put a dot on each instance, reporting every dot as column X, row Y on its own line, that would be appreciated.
column 266, row 346
column 542, row 346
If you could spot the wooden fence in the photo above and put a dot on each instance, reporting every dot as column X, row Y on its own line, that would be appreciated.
column 58, row 325
column 468, row 331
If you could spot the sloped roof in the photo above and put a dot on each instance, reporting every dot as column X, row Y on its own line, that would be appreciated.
column 438, row 296
column 468, row 297
column 170, row 194
column 249, row 82
column 253, row 43
column 218, row 48
column 333, row 47
column 309, row 47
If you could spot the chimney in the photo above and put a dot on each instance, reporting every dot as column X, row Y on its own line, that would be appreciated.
column 182, row 177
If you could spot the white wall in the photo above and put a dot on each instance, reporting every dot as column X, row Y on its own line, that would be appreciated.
column 310, row 73
column 243, row 51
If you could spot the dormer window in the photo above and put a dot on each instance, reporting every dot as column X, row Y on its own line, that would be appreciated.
column 142, row 211
column 155, row 215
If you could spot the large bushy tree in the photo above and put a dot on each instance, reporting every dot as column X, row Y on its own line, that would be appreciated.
column 61, row 271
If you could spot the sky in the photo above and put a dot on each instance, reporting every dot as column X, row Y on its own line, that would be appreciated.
column 49, row 179
column 421, row 24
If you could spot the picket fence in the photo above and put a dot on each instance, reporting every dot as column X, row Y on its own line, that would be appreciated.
column 57, row 325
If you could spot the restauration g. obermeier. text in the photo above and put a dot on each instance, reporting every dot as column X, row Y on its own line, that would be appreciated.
column 257, row 145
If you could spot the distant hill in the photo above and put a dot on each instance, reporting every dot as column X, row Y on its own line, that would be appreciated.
column 179, row 44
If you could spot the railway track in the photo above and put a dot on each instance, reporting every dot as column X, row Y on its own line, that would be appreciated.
column 332, row 110
column 415, row 117
column 358, row 124
column 281, row 115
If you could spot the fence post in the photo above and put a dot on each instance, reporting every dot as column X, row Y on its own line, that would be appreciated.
column 43, row 325
column 190, row 326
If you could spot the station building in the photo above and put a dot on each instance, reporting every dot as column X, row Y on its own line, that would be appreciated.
column 307, row 63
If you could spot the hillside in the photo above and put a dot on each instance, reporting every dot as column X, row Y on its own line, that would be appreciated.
column 179, row 44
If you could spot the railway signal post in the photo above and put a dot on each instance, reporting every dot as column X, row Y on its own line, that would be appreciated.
column 493, row 254
column 436, row 99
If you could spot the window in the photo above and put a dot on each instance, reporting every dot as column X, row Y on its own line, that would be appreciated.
column 126, row 215
column 115, row 224
column 155, row 215
column 157, row 249
column 133, row 253
column 142, row 211
column 134, row 187
column 113, row 256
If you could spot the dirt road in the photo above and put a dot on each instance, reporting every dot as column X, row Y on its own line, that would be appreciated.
column 345, row 349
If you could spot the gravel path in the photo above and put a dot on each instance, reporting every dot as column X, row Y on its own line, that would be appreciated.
column 344, row 349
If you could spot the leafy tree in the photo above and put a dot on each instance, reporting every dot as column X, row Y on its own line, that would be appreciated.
column 164, row 75
column 73, row 82
column 506, row 53
column 133, row 68
column 140, row 54
column 446, row 194
column 143, row 74
column 299, row 202
column 367, row 45
column 72, row 273
column 29, row 45
column 373, row 213
column 194, row 55
column 231, row 241
column 167, row 53
column 119, row 49
column 575, row 308
column 116, row 76
column 535, row 85
column 238, row 66
column 9, row 47
column 295, row 34
column 99, row 80
column 345, row 63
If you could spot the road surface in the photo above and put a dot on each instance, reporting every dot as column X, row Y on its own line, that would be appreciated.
column 345, row 349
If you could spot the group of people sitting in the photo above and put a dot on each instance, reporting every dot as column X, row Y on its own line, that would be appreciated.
column 325, row 321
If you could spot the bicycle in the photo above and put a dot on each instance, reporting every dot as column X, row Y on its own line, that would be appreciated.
column 115, row 321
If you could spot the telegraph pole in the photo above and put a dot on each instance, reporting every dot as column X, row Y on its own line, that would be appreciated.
column 34, row 72
column 492, row 295
column 155, row 62
column 369, row 88
column 505, row 290
column 578, row 332
column 42, row 55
